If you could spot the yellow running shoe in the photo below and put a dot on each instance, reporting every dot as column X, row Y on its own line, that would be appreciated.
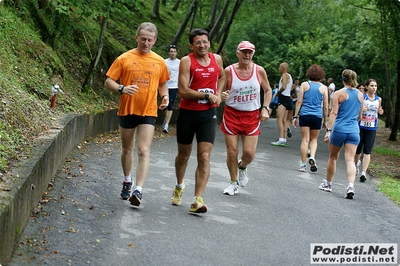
column 176, row 198
column 198, row 206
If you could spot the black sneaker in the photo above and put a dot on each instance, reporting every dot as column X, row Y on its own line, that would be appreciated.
column 289, row 133
column 363, row 178
column 126, row 190
column 136, row 197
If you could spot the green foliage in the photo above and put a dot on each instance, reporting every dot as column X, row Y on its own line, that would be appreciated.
column 334, row 34
column 9, row 142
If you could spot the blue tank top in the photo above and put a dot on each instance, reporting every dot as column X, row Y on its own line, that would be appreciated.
column 312, row 101
column 347, row 117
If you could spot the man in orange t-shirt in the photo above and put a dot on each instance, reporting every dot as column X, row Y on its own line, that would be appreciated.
column 141, row 74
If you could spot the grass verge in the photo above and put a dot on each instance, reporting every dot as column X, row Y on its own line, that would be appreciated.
column 385, row 166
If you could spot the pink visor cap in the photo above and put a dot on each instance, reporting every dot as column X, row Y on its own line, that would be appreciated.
column 245, row 45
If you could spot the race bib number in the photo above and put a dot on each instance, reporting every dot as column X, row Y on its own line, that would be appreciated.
column 210, row 91
column 367, row 121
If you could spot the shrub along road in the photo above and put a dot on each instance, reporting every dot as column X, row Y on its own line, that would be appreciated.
column 272, row 221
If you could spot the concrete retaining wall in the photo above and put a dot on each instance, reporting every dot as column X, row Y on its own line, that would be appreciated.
column 32, row 176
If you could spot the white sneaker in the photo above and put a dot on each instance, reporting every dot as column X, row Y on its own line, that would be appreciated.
column 279, row 143
column 363, row 177
column 243, row 178
column 350, row 193
column 325, row 186
column 358, row 167
column 232, row 189
column 165, row 128
column 303, row 168
column 313, row 164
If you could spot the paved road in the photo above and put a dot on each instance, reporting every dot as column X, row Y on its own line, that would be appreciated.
column 272, row 221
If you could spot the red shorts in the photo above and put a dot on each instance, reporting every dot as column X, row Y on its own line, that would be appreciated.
column 237, row 122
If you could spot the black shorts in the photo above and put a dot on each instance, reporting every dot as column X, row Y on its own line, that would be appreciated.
column 285, row 101
column 311, row 121
column 200, row 123
column 132, row 121
column 367, row 140
column 172, row 97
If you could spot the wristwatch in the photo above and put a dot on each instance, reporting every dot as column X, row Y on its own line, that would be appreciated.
column 266, row 107
column 328, row 129
column 120, row 88
column 207, row 96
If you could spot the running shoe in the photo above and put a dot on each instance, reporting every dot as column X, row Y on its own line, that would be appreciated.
column 232, row 189
column 289, row 133
column 136, row 198
column 243, row 178
column 358, row 167
column 309, row 153
column 303, row 168
column 198, row 206
column 363, row 177
column 313, row 165
column 350, row 193
column 165, row 128
column 279, row 143
column 126, row 190
column 176, row 198
column 325, row 186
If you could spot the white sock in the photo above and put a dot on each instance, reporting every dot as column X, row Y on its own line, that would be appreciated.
column 128, row 179
column 350, row 185
column 363, row 173
column 282, row 139
column 179, row 185
column 139, row 188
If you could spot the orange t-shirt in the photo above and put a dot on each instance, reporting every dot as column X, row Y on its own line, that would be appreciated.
column 148, row 72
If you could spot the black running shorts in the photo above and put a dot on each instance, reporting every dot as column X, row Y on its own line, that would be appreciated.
column 200, row 123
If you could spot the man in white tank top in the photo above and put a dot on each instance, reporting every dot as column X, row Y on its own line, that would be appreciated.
column 242, row 115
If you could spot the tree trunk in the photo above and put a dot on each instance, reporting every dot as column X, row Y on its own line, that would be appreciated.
column 217, row 26
column 213, row 14
column 185, row 22
column 395, row 127
column 95, row 60
column 176, row 6
column 389, row 92
column 156, row 9
column 193, row 18
column 228, row 25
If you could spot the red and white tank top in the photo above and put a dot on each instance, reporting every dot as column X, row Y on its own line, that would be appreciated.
column 244, row 94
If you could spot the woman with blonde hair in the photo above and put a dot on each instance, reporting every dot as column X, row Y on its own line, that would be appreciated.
column 343, row 130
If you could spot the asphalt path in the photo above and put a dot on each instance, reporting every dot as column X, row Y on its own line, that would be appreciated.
column 272, row 221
